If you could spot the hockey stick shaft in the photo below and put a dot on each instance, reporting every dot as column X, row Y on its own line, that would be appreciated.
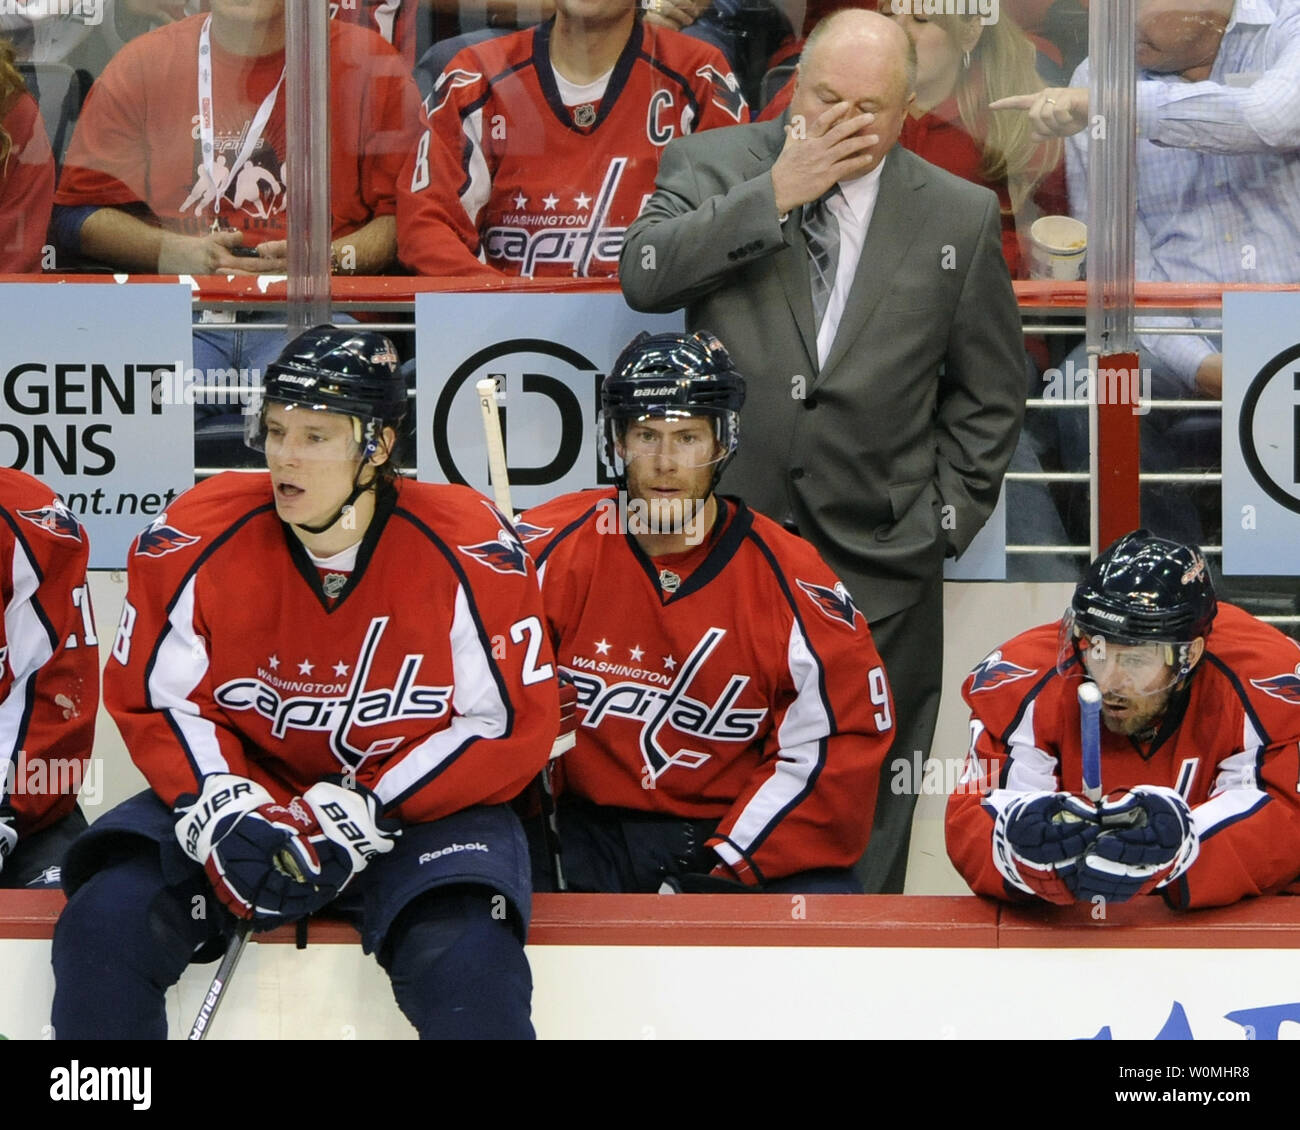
column 496, row 448
column 220, row 982
column 1090, row 739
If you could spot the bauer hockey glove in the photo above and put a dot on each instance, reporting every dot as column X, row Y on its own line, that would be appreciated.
column 243, row 839
column 348, row 819
column 1038, row 839
column 1147, row 841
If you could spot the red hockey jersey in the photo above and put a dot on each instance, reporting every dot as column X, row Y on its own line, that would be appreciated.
column 1232, row 754
column 138, row 138
column 508, row 180
column 751, row 693
column 49, row 656
column 429, row 679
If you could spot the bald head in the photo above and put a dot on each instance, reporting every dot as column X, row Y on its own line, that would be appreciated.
column 1181, row 36
column 868, row 35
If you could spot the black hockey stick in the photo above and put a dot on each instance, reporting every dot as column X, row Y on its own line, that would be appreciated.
column 217, row 990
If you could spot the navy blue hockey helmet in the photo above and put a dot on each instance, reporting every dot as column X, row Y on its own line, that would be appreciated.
column 666, row 376
column 341, row 369
column 1144, row 590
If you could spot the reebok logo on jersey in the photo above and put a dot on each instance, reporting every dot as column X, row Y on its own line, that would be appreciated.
column 834, row 604
column 54, row 519
column 1286, row 687
column 161, row 539
column 658, row 708
column 726, row 91
column 451, row 849
column 358, row 707
column 993, row 671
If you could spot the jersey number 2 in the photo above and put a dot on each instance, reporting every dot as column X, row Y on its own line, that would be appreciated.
column 532, row 627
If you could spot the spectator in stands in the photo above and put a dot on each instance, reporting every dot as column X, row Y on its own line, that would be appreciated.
column 151, row 185
column 26, row 173
column 1218, row 181
column 542, row 145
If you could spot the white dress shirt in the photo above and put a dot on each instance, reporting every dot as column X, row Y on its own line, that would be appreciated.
column 852, row 207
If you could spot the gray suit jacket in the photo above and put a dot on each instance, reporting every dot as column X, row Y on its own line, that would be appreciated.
column 890, row 456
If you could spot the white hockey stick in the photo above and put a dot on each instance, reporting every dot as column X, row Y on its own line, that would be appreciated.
column 496, row 448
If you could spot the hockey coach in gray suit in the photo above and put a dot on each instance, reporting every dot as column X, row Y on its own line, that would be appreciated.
column 864, row 295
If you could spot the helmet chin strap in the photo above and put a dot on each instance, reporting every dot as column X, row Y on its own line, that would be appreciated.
column 357, row 491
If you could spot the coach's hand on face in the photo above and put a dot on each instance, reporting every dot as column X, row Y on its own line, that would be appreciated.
column 818, row 154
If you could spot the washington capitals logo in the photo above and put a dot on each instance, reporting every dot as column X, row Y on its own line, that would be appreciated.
column 161, row 539
column 447, row 82
column 1286, row 687
column 834, row 604
column 726, row 90
column 54, row 519
column 529, row 533
column 993, row 671
column 506, row 554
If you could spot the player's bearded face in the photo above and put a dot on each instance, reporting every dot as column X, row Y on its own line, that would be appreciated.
column 670, row 466
column 1136, row 682
column 313, row 458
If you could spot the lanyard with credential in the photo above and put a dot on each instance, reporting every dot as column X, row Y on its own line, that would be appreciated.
column 207, row 115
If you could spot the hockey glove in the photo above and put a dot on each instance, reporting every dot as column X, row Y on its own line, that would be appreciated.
column 8, row 836
column 1147, row 840
column 1038, row 838
column 348, row 820
column 244, row 840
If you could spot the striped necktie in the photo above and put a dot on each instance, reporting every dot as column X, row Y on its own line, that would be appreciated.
column 821, row 232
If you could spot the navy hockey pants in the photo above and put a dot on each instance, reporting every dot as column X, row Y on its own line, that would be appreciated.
column 458, row 970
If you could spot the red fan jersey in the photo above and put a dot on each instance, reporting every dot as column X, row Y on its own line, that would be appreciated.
column 26, row 188
column 509, row 180
column 427, row 677
column 49, row 656
column 734, row 682
column 393, row 19
column 1228, row 745
column 138, row 138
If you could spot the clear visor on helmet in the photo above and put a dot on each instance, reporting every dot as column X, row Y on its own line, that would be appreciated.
column 682, row 439
column 1120, row 667
column 307, row 431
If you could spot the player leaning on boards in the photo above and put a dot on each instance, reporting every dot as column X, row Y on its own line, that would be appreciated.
column 734, row 711
column 1201, row 715
column 305, row 674
column 49, row 680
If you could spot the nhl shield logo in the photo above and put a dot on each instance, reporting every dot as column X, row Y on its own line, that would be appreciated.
column 584, row 116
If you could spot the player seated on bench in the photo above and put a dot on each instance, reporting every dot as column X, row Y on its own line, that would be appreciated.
column 1200, row 716
column 733, row 711
column 307, row 675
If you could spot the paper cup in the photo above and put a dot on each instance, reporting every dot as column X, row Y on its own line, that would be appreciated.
column 1058, row 248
